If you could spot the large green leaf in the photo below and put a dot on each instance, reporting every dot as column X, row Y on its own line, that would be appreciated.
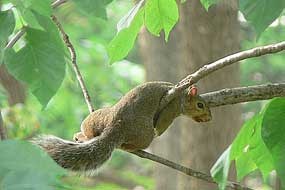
column 244, row 165
column 273, row 134
column 208, row 3
column 161, row 14
column 42, row 7
column 25, row 166
column 249, row 145
column 220, row 170
column 41, row 62
column 249, row 152
column 95, row 8
column 7, row 25
column 242, row 141
column 126, row 21
column 261, row 13
column 28, row 8
column 123, row 42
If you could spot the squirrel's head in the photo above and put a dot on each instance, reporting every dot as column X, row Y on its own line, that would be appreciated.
column 195, row 107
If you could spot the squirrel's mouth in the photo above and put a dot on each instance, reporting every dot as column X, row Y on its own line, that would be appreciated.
column 202, row 118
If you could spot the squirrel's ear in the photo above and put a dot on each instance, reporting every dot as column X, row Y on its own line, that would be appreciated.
column 193, row 91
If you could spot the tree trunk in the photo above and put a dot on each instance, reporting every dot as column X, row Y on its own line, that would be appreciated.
column 161, row 61
column 200, row 38
column 15, row 90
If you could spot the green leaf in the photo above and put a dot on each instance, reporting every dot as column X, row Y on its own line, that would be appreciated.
column 249, row 152
column 261, row 13
column 28, row 8
column 244, row 165
column 249, row 145
column 123, row 42
column 161, row 14
column 220, row 170
column 273, row 134
column 42, row 7
column 7, row 25
column 208, row 3
column 126, row 21
column 27, row 167
column 27, row 179
column 242, row 141
column 95, row 8
column 41, row 62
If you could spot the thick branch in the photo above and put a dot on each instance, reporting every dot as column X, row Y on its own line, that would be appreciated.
column 185, row 170
column 244, row 94
column 74, row 64
column 210, row 68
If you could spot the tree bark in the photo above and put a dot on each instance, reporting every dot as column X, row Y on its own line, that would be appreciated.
column 161, row 61
column 199, row 38
column 15, row 90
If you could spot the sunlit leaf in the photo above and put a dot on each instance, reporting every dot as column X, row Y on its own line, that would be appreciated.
column 244, row 165
column 220, row 170
column 161, row 14
column 123, row 42
column 273, row 133
column 242, row 141
column 126, row 21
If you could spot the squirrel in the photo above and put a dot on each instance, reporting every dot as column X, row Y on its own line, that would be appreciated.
column 131, row 124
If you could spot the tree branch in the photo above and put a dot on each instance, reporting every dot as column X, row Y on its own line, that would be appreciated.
column 185, row 170
column 210, row 68
column 15, row 38
column 71, row 49
column 22, row 31
column 57, row 3
column 244, row 94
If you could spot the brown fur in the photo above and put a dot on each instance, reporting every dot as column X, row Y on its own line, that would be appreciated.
column 131, row 124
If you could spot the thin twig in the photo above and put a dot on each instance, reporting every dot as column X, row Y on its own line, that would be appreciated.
column 22, row 31
column 244, row 94
column 185, row 170
column 3, row 135
column 210, row 68
column 57, row 3
column 71, row 49
column 15, row 38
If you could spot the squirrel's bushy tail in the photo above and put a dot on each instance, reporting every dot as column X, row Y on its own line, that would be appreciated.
column 85, row 156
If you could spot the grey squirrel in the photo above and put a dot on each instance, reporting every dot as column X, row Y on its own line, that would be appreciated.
column 131, row 124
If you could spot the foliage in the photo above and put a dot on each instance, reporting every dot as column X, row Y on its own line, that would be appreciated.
column 38, row 171
column 261, row 13
column 259, row 145
column 6, row 19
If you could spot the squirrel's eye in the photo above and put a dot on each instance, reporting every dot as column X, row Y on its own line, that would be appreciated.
column 200, row 105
